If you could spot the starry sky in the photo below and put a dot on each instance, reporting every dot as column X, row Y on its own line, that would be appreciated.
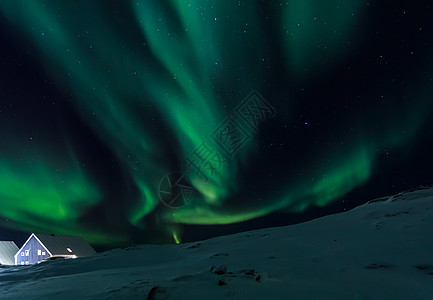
column 170, row 121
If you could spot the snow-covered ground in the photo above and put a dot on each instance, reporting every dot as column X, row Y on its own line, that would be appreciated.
column 380, row 250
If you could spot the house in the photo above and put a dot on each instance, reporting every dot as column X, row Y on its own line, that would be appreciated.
column 7, row 252
column 39, row 247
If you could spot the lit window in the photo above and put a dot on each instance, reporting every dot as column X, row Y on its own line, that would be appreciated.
column 27, row 252
column 22, row 263
column 43, row 253
column 69, row 250
column 27, row 262
column 22, row 254
column 39, row 252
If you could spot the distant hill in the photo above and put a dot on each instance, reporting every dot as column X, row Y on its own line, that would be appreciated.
column 380, row 250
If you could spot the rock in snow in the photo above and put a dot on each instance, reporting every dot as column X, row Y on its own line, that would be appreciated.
column 380, row 250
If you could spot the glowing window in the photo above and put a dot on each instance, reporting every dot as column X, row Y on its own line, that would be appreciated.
column 39, row 252
column 22, row 263
column 69, row 250
column 27, row 262
column 22, row 254
column 43, row 253
column 27, row 252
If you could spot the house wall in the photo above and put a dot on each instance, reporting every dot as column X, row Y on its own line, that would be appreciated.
column 31, row 257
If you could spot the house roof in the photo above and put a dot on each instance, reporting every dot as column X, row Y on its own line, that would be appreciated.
column 7, row 252
column 59, row 245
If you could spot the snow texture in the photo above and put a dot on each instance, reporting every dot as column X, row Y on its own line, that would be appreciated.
column 380, row 250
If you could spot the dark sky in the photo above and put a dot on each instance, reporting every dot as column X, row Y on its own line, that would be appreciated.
column 172, row 121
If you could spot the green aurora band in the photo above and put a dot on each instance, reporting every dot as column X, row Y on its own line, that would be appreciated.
column 177, row 61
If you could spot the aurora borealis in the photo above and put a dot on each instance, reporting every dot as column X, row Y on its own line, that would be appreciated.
column 102, row 99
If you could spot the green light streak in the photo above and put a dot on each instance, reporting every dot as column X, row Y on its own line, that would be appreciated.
column 189, row 64
column 36, row 197
column 43, row 193
column 176, row 238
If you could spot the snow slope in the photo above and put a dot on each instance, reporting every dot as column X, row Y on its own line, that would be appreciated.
column 380, row 250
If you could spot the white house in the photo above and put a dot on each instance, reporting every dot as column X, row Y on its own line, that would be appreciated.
column 7, row 252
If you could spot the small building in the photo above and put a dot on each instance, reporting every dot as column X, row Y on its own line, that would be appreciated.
column 39, row 247
column 7, row 252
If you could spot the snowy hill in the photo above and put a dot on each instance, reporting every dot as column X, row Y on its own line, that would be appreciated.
column 380, row 250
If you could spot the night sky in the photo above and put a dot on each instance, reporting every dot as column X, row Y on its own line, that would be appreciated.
column 170, row 121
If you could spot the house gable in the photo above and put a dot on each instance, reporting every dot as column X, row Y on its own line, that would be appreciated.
column 32, row 252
